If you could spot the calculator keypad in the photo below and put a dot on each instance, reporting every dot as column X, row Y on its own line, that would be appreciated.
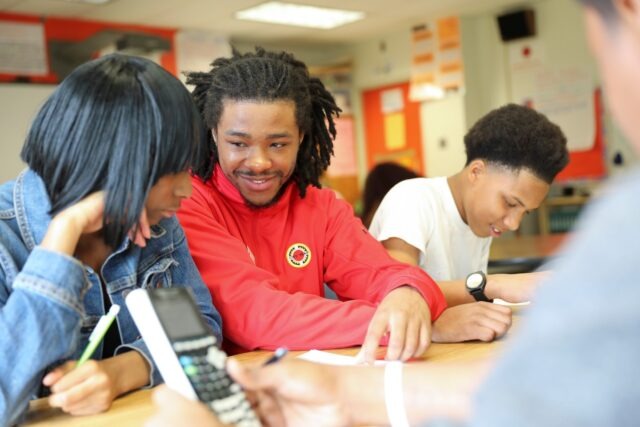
column 204, row 365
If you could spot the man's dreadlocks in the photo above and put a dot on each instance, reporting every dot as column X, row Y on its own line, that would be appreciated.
column 270, row 76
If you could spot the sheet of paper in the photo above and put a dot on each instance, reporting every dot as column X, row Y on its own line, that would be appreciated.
column 328, row 358
column 510, row 304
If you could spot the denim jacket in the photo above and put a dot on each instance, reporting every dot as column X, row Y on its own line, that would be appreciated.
column 50, row 302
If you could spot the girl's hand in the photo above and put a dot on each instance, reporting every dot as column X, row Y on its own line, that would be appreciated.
column 142, row 231
column 66, row 227
column 92, row 387
column 89, row 389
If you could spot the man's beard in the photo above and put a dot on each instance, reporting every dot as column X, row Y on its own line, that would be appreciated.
column 271, row 202
column 275, row 198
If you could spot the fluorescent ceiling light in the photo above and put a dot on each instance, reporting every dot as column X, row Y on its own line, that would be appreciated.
column 277, row 12
column 88, row 1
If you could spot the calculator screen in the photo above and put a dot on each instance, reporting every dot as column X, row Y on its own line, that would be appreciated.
column 179, row 316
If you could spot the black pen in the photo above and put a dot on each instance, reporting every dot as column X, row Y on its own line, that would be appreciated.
column 277, row 355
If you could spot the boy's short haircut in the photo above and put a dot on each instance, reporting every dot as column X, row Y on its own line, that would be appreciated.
column 517, row 138
column 606, row 8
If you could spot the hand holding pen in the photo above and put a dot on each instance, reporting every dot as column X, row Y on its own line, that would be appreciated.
column 89, row 386
column 277, row 355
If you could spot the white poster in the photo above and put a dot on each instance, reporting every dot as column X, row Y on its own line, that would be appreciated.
column 565, row 96
column 22, row 49
column 391, row 101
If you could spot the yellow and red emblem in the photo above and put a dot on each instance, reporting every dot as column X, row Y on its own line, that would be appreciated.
column 298, row 255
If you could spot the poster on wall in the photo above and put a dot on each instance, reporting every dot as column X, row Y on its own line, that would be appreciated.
column 565, row 96
column 450, row 72
column 437, row 66
column 391, row 101
column 423, row 67
column 392, row 109
column 22, row 49
column 343, row 162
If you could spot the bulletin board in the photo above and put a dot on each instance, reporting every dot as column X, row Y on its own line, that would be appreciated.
column 66, row 36
column 392, row 127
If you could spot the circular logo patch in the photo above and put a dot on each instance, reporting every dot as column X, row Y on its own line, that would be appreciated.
column 298, row 255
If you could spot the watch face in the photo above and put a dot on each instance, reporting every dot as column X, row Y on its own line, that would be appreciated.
column 474, row 280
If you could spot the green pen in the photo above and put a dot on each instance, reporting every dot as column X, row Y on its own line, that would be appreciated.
column 98, row 333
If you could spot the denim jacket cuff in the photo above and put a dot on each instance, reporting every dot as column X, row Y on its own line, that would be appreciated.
column 56, row 276
column 141, row 348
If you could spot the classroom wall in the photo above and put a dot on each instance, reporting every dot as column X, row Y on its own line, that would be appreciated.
column 18, row 105
column 385, row 60
column 381, row 61
column 560, row 33
column 442, row 135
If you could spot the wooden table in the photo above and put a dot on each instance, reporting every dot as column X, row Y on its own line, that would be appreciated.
column 523, row 253
column 134, row 408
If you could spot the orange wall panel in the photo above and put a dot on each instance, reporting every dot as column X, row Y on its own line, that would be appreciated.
column 374, row 121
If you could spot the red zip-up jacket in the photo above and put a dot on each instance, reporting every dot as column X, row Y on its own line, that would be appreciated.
column 266, row 267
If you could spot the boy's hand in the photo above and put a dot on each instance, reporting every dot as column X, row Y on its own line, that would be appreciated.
column 474, row 321
column 514, row 288
column 295, row 393
column 172, row 409
column 405, row 315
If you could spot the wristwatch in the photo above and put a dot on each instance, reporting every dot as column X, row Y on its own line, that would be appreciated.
column 475, row 284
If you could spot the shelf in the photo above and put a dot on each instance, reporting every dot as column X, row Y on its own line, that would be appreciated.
column 546, row 208
column 566, row 201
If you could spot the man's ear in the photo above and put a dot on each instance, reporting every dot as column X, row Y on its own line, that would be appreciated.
column 476, row 169
column 629, row 12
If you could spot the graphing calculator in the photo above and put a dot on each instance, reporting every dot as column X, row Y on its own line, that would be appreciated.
column 186, row 354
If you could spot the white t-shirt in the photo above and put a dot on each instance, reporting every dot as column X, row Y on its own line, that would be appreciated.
column 422, row 212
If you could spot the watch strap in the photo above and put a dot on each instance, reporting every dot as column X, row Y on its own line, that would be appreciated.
column 479, row 295
column 478, row 292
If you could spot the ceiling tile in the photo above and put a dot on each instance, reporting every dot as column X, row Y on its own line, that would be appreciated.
column 50, row 8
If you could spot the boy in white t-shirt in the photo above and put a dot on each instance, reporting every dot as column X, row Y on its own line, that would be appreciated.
column 445, row 224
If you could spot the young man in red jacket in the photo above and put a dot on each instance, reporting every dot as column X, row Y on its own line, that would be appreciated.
column 266, row 238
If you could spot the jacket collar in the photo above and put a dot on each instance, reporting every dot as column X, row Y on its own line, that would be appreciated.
column 32, row 207
column 230, row 192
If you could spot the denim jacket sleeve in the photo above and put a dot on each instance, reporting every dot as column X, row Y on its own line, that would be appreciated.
column 40, row 308
column 185, row 274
